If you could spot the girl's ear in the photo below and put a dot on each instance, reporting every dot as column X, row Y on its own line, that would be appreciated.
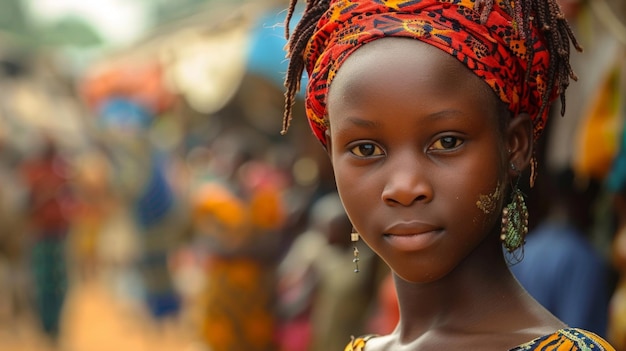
column 519, row 142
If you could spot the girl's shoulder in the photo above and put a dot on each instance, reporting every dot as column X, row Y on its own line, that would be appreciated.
column 562, row 340
column 567, row 339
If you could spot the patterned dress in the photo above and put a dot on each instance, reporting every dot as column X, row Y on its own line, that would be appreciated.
column 568, row 339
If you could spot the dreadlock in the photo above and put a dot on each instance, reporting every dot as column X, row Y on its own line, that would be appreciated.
column 546, row 14
column 295, row 50
column 558, row 33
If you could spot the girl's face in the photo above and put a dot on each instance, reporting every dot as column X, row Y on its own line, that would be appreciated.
column 418, row 154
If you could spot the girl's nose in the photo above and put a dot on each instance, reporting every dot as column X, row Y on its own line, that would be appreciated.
column 406, row 184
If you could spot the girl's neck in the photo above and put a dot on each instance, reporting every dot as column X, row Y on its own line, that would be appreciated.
column 473, row 298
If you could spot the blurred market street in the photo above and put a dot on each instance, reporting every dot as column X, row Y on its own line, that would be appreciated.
column 148, row 201
column 96, row 320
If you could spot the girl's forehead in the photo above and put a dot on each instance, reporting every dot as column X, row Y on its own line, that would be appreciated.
column 388, row 52
column 423, row 86
column 403, row 63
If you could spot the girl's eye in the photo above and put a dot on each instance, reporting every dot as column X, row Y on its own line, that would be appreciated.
column 366, row 150
column 446, row 143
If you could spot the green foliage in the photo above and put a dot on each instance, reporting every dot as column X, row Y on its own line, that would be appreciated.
column 69, row 31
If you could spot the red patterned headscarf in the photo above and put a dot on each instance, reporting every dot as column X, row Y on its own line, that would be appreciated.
column 490, row 43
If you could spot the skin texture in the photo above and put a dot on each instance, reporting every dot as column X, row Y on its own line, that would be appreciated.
column 415, row 140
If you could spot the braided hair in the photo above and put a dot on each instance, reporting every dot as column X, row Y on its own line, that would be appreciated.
column 547, row 15
column 295, row 50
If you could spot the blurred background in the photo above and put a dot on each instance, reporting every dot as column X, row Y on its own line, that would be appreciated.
column 149, row 202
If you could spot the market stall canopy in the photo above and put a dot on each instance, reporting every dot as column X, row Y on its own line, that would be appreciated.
column 204, row 57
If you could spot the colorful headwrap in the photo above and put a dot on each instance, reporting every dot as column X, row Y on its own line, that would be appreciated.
column 491, row 44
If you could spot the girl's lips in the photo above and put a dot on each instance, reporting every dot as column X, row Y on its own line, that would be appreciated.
column 413, row 242
column 412, row 236
column 410, row 228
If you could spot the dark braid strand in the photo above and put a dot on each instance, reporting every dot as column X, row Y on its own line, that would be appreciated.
column 296, row 45
column 290, row 10
column 551, row 20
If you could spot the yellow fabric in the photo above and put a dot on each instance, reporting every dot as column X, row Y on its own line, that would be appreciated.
column 358, row 344
column 569, row 339
column 266, row 208
column 600, row 130
column 238, row 306
column 214, row 199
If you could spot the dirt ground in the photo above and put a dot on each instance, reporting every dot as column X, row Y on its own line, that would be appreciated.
column 94, row 320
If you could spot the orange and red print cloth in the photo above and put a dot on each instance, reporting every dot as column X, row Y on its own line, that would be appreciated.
column 493, row 47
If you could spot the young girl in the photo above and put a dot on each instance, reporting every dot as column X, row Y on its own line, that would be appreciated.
column 428, row 110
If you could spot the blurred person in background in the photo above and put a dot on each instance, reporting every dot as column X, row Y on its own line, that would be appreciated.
column 321, row 299
column 127, row 108
column 50, row 211
column 239, row 212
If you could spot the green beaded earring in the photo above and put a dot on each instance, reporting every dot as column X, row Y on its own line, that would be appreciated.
column 515, row 225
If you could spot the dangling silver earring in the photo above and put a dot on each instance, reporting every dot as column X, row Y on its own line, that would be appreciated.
column 354, row 237
column 515, row 225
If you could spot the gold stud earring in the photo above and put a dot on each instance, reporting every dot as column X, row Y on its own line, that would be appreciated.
column 354, row 237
